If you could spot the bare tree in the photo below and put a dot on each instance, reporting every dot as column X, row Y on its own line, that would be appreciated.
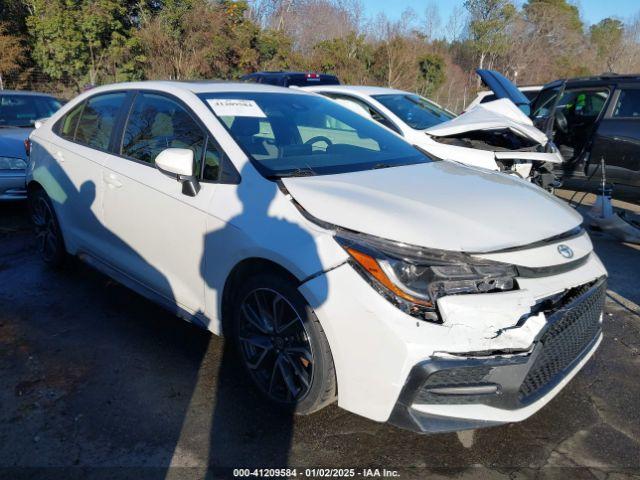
column 629, row 60
column 456, row 24
column 432, row 21
column 308, row 22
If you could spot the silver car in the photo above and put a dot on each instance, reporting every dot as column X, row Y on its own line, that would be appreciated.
column 18, row 113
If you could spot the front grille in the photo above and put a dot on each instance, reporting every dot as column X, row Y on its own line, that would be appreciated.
column 564, row 340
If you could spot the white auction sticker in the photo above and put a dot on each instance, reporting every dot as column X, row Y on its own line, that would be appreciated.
column 228, row 107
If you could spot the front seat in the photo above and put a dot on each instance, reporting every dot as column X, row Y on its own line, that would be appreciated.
column 245, row 129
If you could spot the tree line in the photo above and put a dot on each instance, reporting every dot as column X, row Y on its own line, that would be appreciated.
column 63, row 46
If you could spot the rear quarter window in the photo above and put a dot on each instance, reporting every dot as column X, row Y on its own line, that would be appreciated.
column 66, row 126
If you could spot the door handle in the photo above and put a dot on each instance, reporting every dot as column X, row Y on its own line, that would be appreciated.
column 112, row 180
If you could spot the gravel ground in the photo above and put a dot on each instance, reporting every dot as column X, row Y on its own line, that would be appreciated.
column 97, row 382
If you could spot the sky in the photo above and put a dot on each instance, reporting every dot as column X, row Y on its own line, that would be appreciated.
column 592, row 10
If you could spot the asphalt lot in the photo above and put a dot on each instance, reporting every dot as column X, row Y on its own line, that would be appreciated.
column 97, row 382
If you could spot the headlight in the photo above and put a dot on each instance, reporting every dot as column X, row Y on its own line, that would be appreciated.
column 11, row 163
column 414, row 278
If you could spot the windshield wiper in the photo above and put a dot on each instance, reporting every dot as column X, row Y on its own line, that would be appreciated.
column 378, row 166
column 298, row 172
column 301, row 172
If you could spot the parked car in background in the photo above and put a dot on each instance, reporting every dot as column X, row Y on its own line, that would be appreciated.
column 529, row 91
column 289, row 79
column 18, row 112
column 593, row 119
column 337, row 258
column 495, row 136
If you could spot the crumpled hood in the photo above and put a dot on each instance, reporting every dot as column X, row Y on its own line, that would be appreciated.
column 495, row 115
column 437, row 205
column 12, row 142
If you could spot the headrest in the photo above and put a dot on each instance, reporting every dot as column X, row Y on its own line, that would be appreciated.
column 245, row 126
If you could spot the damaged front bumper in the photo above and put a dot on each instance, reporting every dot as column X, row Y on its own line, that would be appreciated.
column 459, row 392
column 375, row 345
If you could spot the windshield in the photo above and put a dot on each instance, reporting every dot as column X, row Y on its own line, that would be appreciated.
column 23, row 110
column 296, row 134
column 417, row 112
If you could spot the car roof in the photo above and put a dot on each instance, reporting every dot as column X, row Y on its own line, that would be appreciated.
column 361, row 89
column 197, row 86
column 597, row 80
column 281, row 73
column 26, row 93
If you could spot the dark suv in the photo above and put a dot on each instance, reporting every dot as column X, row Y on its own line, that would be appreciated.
column 590, row 119
column 594, row 119
column 288, row 79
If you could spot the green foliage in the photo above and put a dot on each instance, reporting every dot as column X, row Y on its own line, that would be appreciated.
column 606, row 37
column 274, row 49
column 432, row 73
column 488, row 26
column 559, row 8
column 203, row 39
column 350, row 57
column 82, row 41
column 68, row 43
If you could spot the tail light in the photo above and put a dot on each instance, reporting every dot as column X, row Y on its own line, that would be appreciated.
column 27, row 147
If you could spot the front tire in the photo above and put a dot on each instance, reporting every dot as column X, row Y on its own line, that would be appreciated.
column 49, row 241
column 281, row 344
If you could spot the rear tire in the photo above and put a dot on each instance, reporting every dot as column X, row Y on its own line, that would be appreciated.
column 281, row 344
column 49, row 241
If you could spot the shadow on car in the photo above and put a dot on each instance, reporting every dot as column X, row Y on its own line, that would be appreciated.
column 244, row 430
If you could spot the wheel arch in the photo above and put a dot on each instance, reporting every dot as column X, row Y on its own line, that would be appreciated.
column 242, row 270
column 33, row 186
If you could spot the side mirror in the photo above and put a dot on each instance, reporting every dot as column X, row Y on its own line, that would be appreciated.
column 178, row 163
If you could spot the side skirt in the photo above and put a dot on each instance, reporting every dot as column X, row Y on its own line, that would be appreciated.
column 197, row 318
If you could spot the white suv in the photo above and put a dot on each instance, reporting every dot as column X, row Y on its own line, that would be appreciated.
column 341, row 261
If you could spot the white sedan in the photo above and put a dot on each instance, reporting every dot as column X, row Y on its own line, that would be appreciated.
column 495, row 135
column 341, row 262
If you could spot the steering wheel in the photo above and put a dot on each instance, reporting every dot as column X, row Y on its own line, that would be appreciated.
column 561, row 121
column 319, row 138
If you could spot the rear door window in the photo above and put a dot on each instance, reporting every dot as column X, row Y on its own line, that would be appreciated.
column 628, row 104
column 98, row 119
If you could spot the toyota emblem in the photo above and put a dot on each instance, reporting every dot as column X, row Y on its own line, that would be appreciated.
column 565, row 251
